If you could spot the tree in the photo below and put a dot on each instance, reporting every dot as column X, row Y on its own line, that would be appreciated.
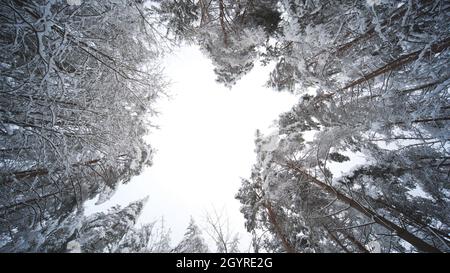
column 192, row 241
column 103, row 232
column 99, row 232
column 376, row 106
column 179, row 17
column 148, row 238
column 229, row 32
column 78, row 83
column 218, row 229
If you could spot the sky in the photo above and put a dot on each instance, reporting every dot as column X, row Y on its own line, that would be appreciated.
column 204, row 146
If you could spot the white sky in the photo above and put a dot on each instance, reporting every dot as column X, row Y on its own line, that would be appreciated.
column 204, row 146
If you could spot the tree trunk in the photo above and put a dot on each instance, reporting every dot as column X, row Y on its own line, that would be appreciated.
column 222, row 22
column 418, row 243
column 396, row 15
column 355, row 242
column 273, row 219
column 435, row 48
column 45, row 171
column 28, row 202
column 336, row 240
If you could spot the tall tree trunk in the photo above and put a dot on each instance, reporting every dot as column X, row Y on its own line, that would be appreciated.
column 45, row 171
column 418, row 243
column 413, row 220
column 336, row 239
column 222, row 21
column 435, row 48
column 28, row 202
column 273, row 220
column 395, row 16
column 354, row 241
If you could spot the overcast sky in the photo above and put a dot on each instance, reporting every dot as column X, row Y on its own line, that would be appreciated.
column 204, row 146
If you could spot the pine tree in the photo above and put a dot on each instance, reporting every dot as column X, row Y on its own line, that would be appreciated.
column 149, row 238
column 78, row 83
column 229, row 32
column 370, row 93
column 192, row 241
column 102, row 232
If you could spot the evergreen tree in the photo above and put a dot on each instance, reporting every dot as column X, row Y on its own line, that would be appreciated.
column 100, row 232
column 376, row 105
column 192, row 241
column 229, row 32
column 103, row 232
column 78, row 83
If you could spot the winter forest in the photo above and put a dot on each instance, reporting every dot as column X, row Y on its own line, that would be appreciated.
column 360, row 163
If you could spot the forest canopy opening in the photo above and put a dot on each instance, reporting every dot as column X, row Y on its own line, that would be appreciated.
column 359, row 163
